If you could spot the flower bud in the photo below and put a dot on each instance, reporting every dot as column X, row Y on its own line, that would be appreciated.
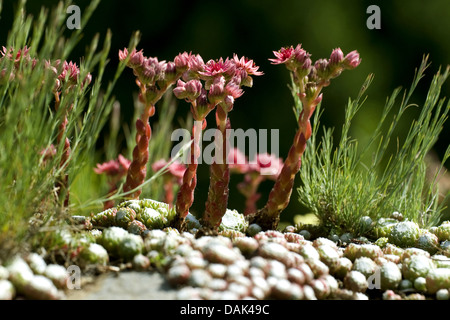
column 180, row 91
column 193, row 89
column 136, row 59
column 123, row 54
column 170, row 72
column 216, row 91
column 322, row 70
column 351, row 60
column 182, row 62
column 336, row 57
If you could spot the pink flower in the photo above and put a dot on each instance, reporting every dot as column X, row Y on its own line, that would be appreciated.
column 237, row 161
column 248, row 65
column 267, row 165
column 123, row 54
column 153, row 70
column 336, row 56
column 182, row 61
column 175, row 169
column 283, row 55
column 190, row 90
column 216, row 68
column 351, row 60
column 114, row 168
column 48, row 152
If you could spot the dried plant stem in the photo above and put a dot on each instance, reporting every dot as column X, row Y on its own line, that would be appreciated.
column 216, row 204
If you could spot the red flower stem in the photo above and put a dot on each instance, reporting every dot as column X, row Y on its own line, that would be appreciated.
column 168, row 192
column 216, row 204
column 185, row 196
column 138, row 168
column 279, row 196
column 249, row 188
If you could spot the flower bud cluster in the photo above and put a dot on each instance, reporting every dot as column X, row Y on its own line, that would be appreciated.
column 309, row 77
column 154, row 76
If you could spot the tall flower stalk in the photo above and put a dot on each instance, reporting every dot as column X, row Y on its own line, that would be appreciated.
column 153, row 78
column 67, row 79
column 196, row 95
column 309, row 80
column 222, row 85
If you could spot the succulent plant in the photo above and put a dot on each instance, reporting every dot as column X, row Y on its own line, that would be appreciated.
column 416, row 266
column 438, row 278
column 366, row 266
column 390, row 276
column 442, row 231
column 41, row 288
column 443, row 294
column 111, row 237
column 405, row 234
column 57, row 274
column 124, row 216
column 94, row 254
column 420, row 284
column 355, row 281
column 428, row 241
column 383, row 227
column 7, row 290
column 130, row 246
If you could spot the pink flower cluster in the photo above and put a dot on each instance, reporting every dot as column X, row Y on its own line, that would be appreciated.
column 115, row 170
column 264, row 166
column 173, row 177
column 223, row 80
column 67, row 75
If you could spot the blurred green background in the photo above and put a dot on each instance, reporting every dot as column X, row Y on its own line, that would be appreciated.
column 255, row 28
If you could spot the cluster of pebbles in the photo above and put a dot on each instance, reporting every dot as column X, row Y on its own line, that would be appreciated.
column 243, row 262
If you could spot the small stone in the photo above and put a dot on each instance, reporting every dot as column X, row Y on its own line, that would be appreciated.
column 253, row 229
column 305, row 233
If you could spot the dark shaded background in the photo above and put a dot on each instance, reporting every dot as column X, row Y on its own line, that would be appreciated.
column 254, row 28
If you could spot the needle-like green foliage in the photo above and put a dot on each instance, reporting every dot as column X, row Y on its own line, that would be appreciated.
column 29, row 121
column 340, row 188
